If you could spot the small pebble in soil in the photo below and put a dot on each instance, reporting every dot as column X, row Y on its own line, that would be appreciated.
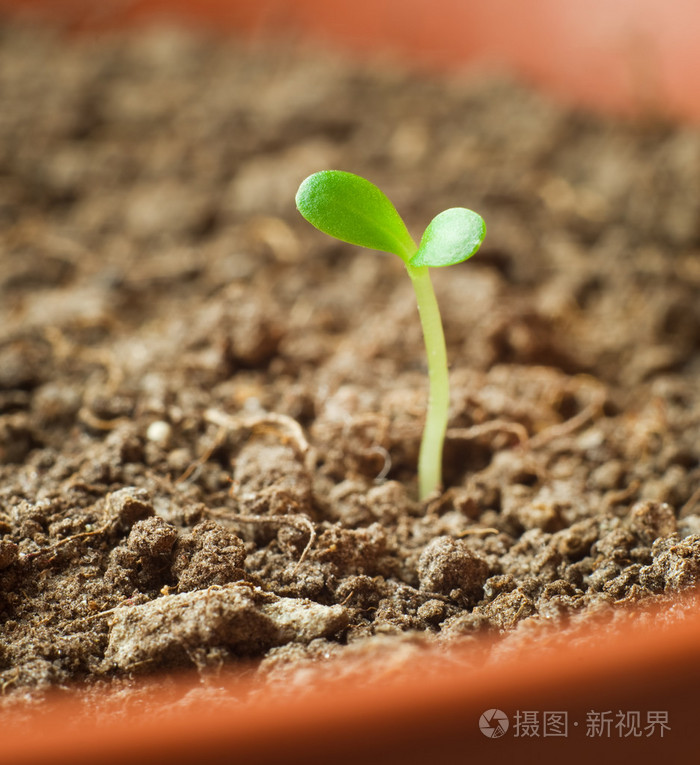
column 160, row 432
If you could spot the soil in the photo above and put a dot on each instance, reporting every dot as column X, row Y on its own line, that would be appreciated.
column 210, row 413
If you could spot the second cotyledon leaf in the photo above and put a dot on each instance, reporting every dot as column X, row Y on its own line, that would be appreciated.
column 452, row 237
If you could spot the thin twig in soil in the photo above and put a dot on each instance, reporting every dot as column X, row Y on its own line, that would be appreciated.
column 384, row 472
column 690, row 504
column 298, row 520
column 194, row 466
column 568, row 426
column 97, row 423
column 55, row 545
column 280, row 424
column 620, row 497
column 520, row 432
column 477, row 532
column 498, row 426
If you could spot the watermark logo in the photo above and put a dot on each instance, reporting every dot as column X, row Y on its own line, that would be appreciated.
column 493, row 723
column 532, row 723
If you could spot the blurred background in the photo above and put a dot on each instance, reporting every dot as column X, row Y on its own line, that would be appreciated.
column 150, row 151
column 623, row 55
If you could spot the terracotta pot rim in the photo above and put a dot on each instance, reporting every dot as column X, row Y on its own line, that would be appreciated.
column 632, row 57
column 633, row 666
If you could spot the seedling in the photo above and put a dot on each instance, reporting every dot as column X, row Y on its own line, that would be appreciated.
column 354, row 210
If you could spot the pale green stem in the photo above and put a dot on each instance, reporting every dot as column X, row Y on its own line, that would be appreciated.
column 430, row 457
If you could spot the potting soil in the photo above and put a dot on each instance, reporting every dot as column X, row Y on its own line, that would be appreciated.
column 210, row 413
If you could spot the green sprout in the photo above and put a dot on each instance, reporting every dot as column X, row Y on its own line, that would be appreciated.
column 354, row 210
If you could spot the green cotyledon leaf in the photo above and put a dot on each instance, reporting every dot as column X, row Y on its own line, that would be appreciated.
column 350, row 208
column 451, row 237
